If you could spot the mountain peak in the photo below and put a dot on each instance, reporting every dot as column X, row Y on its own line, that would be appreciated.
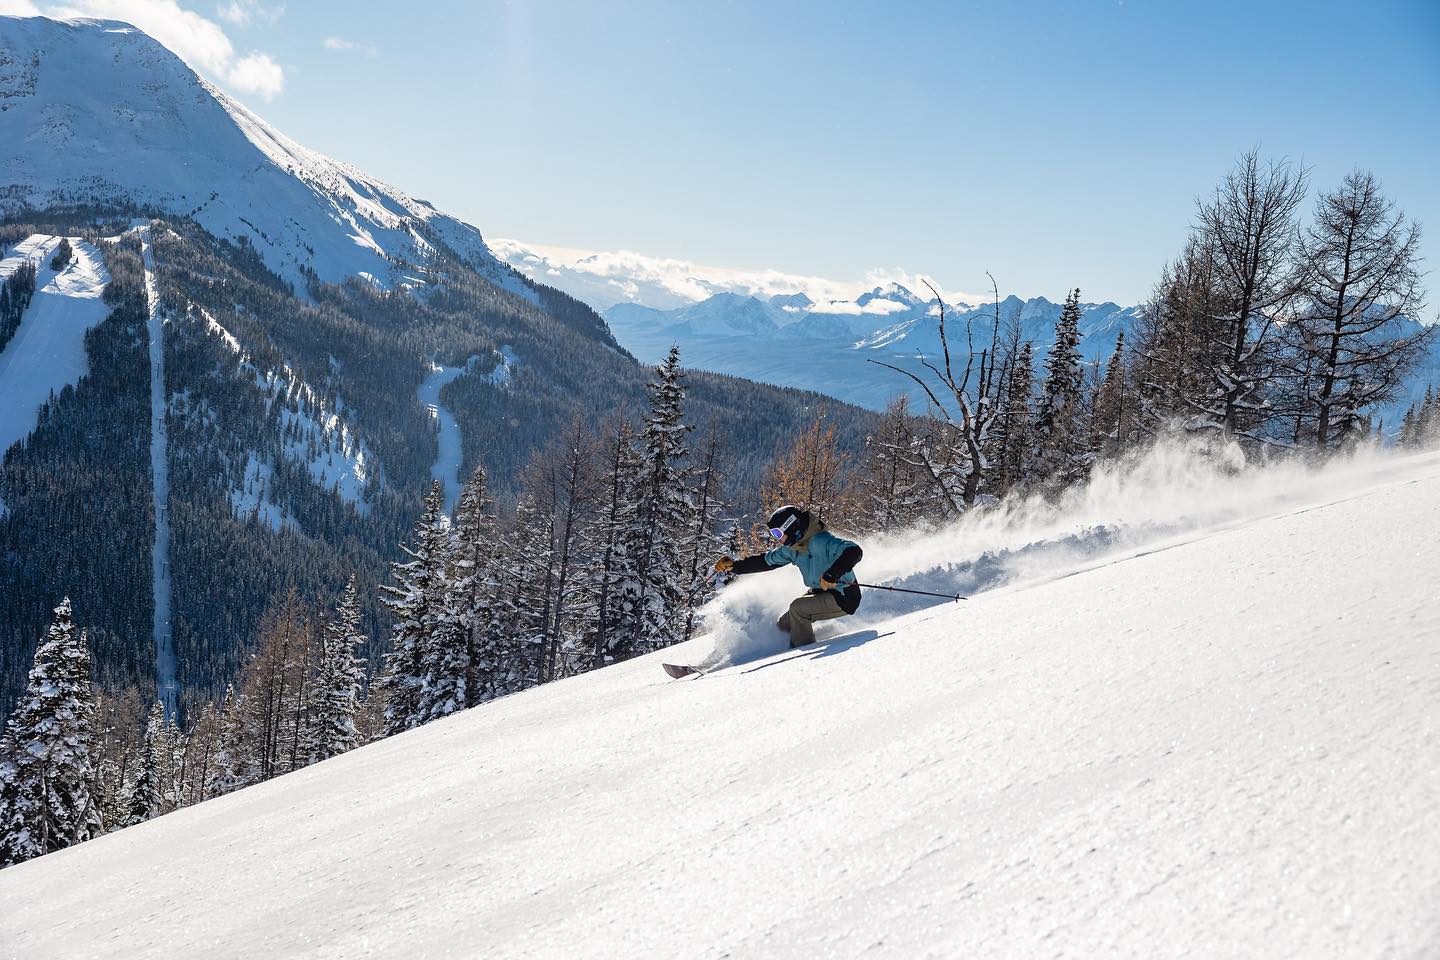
column 74, row 94
column 890, row 291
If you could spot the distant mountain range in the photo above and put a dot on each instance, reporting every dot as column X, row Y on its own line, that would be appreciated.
column 735, row 323
column 826, row 347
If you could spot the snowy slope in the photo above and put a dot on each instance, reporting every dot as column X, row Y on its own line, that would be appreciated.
column 47, row 353
column 97, row 110
column 1197, row 717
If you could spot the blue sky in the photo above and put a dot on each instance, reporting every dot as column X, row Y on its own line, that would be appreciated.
column 1055, row 144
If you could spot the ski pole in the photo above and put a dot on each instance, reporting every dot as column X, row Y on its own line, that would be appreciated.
column 923, row 593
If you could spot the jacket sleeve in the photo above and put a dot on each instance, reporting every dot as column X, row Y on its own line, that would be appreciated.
column 762, row 562
column 845, row 562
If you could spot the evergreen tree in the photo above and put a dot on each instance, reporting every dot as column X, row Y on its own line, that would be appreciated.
column 1177, row 345
column 1017, row 438
column 237, row 762
column 63, row 255
column 653, row 596
column 47, row 775
column 336, row 690
column 1408, row 435
column 147, row 793
column 1107, row 424
column 416, row 602
column 1061, row 442
column 476, row 643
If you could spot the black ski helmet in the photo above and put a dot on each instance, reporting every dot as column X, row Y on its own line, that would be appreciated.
column 789, row 523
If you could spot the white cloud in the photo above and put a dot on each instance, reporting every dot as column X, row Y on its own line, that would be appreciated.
column 197, row 40
column 258, row 73
column 18, row 8
column 350, row 46
column 242, row 12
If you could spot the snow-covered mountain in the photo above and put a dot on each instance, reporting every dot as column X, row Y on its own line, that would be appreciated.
column 825, row 346
column 98, row 112
column 1180, row 722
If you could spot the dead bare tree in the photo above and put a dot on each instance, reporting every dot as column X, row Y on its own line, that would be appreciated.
column 966, row 419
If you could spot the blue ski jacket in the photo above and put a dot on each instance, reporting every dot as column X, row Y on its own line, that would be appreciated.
column 820, row 555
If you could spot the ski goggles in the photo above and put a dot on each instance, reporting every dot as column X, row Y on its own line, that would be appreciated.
column 779, row 532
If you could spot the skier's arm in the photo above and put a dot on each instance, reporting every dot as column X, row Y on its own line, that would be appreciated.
column 759, row 563
column 843, row 564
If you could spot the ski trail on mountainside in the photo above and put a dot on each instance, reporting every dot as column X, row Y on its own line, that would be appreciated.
column 449, row 452
column 47, row 352
column 165, row 683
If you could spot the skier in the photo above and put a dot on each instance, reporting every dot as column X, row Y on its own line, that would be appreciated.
column 825, row 561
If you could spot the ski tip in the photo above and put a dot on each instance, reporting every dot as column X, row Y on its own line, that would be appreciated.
column 678, row 670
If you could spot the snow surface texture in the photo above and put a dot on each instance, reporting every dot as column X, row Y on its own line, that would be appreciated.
column 95, row 109
column 1217, row 739
column 165, row 684
column 47, row 353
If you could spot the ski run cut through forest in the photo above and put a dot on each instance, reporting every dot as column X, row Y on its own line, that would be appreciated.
column 1189, row 711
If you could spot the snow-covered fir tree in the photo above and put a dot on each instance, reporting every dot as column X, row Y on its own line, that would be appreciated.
column 652, row 598
column 1420, row 429
column 1061, row 442
column 1109, row 411
column 469, row 601
column 335, row 693
column 47, row 775
column 237, row 763
column 417, row 603
column 147, row 790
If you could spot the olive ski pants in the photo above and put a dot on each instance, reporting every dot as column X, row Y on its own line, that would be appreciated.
column 799, row 622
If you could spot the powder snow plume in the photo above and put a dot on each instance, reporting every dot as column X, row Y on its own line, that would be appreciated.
column 1175, row 492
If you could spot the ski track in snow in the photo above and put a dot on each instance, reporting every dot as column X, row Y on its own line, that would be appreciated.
column 47, row 352
column 1223, row 747
column 165, row 682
